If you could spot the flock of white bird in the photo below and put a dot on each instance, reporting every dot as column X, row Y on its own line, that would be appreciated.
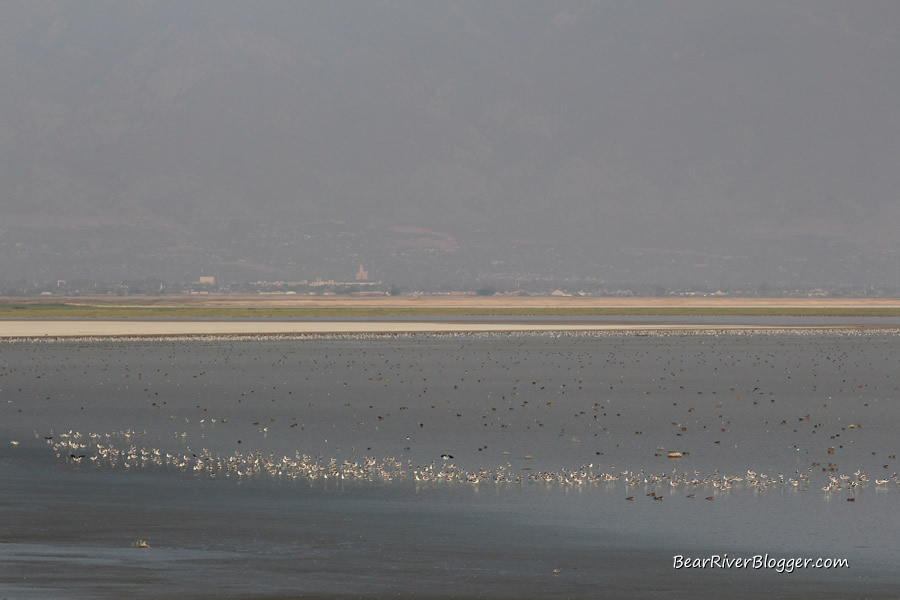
column 121, row 450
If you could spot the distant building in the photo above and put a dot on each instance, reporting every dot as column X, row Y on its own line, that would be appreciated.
column 207, row 281
column 362, row 274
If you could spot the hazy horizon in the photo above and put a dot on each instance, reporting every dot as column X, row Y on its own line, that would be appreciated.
column 681, row 143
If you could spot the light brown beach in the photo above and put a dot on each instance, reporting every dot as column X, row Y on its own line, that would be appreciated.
column 162, row 327
column 34, row 329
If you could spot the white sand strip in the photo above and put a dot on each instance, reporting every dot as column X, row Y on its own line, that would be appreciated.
column 34, row 329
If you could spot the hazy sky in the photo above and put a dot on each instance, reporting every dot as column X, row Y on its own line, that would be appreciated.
column 439, row 140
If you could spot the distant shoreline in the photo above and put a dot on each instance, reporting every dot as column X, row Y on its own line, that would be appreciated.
column 103, row 316
column 338, row 308
column 448, row 300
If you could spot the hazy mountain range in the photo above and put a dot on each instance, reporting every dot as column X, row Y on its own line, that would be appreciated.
column 681, row 142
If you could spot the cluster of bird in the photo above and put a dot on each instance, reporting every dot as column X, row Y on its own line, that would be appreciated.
column 102, row 450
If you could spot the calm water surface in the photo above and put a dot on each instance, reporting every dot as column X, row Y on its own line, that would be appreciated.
column 787, row 406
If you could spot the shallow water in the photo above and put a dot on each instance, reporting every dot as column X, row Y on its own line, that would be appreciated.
column 521, row 404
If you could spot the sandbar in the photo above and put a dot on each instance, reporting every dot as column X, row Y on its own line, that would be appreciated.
column 107, row 323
